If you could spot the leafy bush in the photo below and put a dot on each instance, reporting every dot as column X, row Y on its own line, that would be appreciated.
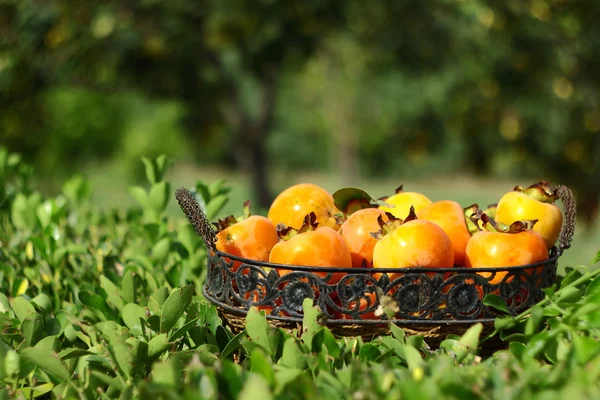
column 108, row 305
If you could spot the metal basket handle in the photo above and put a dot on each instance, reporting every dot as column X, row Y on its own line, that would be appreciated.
column 196, row 217
column 567, row 231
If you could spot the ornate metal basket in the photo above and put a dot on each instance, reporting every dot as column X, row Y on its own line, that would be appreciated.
column 433, row 302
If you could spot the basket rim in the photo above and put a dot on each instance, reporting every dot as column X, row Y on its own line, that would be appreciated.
column 554, row 255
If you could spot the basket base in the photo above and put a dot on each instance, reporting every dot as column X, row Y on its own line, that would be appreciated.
column 433, row 335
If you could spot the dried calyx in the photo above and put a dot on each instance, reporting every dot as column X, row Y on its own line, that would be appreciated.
column 474, row 216
column 399, row 189
column 231, row 220
column 310, row 223
column 392, row 223
column 541, row 191
column 487, row 223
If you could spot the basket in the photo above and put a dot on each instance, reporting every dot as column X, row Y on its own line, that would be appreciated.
column 432, row 302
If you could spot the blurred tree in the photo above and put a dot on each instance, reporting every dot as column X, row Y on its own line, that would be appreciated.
column 516, row 80
column 222, row 59
column 417, row 87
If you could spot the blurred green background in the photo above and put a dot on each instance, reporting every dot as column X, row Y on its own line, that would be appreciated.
column 456, row 99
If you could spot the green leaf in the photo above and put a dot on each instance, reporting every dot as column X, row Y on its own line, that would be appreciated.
column 50, row 343
column 413, row 357
column 113, row 292
column 537, row 343
column 139, row 194
column 534, row 320
column 284, row 376
column 504, row 323
column 292, row 356
column 36, row 391
column 261, row 364
column 324, row 337
column 4, row 303
column 471, row 337
column 174, row 307
column 256, row 387
column 593, row 287
column 160, row 296
column 160, row 251
column 151, row 170
column 496, row 302
column 94, row 302
column 67, row 354
column 571, row 276
column 44, row 213
column 157, row 346
column 398, row 333
column 585, row 348
column 159, row 195
column 167, row 373
column 233, row 345
column 351, row 199
column 32, row 328
column 22, row 307
column 369, row 352
column 43, row 302
column 310, row 321
column 179, row 333
column 215, row 206
column 23, row 213
column 128, row 285
column 47, row 361
column 596, row 259
column 258, row 329
column 133, row 315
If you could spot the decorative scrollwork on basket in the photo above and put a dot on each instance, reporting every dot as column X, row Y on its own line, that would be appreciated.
column 454, row 294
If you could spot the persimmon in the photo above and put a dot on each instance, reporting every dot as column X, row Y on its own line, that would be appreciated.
column 311, row 245
column 356, row 231
column 450, row 216
column 414, row 243
column 296, row 202
column 402, row 201
column 250, row 236
column 501, row 246
column 535, row 202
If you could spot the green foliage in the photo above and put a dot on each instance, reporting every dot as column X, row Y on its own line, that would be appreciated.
column 106, row 304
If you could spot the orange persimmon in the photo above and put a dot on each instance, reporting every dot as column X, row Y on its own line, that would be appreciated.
column 402, row 201
column 356, row 231
column 252, row 237
column 449, row 216
column 294, row 203
column 313, row 246
column 501, row 246
column 534, row 202
column 415, row 243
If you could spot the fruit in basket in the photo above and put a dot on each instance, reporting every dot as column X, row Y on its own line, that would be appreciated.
column 356, row 231
column 498, row 246
column 311, row 245
column 293, row 204
column 250, row 236
column 535, row 202
column 450, row 216
column 414, row 243
column 401, row 202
